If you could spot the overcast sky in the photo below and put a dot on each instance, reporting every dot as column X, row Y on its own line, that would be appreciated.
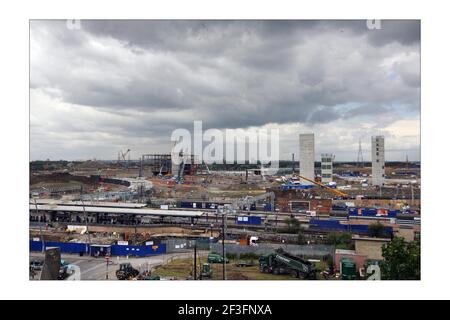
column 114, row 85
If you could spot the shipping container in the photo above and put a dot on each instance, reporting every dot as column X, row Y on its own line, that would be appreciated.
column 251, row 220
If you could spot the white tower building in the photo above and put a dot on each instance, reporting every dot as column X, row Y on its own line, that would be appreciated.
column 307, row 157
column 326, row 167
column 378, row 161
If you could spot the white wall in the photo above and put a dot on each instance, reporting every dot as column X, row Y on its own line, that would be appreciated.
column 378, row 161
column 307, row 157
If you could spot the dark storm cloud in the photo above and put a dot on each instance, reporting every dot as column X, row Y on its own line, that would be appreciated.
column 146, row 78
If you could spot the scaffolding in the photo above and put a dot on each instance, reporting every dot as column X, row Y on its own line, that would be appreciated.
column 162, row 164
column 157, row 163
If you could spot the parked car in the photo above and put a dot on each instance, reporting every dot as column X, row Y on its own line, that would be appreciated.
column 36, row 264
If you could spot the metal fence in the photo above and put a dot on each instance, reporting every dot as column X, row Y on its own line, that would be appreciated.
column 182, row 245
column 306, row 251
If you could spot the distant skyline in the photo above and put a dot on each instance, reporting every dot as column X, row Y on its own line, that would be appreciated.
column 117, row 85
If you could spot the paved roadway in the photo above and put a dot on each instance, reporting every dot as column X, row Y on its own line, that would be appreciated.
column 95, row 268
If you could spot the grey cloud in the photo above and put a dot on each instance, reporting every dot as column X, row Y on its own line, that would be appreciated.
column 162, row 75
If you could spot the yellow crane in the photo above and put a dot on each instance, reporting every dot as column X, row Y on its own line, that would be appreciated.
column 339, row 193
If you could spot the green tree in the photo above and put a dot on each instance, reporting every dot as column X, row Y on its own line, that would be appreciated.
column 377, row 230
column 401, row 260
column 293, row 225
column 301, row 238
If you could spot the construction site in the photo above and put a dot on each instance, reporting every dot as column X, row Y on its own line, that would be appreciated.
column 145, row 217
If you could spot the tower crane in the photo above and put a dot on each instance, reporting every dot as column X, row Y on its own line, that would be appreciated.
column 123, row 155
column 339, row 193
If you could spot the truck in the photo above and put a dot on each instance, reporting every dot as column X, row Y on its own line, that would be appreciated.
column 282, row 262
column 216, row 258
column 126, row 271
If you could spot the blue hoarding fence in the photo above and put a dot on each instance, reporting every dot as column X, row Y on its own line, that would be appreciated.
column 368, row 212
column 336, row 225
column 116, row 250
column 139, row 251
column 65, row 247
column 252, row 220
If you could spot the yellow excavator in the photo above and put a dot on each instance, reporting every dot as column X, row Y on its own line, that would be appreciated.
column 339, row 193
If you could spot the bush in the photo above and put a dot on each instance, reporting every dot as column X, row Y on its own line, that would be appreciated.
column 301, row 238
column 293, row 226
column 342, row 240
column 230, row 256
column 249, row 256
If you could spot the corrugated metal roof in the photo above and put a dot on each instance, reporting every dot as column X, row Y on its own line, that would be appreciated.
column 155, row 212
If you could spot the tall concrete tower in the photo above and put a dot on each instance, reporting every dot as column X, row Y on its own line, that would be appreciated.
column 378, row 161
column 326, row 167
column 307, row 157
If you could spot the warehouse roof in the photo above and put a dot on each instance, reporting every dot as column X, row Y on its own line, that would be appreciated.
column 155, row 212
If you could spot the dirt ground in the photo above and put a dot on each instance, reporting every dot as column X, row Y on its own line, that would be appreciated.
column 181, row 269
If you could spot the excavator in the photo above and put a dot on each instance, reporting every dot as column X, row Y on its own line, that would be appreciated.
column 337, row 192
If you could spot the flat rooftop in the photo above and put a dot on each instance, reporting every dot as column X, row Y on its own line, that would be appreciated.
column 89, row 203
column 148, row 212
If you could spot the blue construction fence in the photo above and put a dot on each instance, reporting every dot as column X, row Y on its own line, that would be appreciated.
column 115, row 250
column 252, row 220
column 336, row 225
column 369, row 212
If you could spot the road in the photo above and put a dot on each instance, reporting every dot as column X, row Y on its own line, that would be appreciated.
column 95, row 268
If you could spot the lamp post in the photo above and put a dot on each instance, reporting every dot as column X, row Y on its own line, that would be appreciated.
column 40, row 227
column 224, row 210
column 107, row 265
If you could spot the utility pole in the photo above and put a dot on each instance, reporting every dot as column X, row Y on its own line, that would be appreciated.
column 40, row 227
column 360, row 160
column 195, row 259
column 88, row 245
column 223, row 247
column 226, row 209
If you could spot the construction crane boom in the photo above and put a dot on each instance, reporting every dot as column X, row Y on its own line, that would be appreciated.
column 339, row 193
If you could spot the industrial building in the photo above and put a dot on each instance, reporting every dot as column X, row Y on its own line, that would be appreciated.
column 307, row 157
column 327, row 167
column 378, row 160
column 135, row 210
column 169, row 163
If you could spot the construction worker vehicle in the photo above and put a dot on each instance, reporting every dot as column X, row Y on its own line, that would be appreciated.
column 216, row 258
column 126, row 271
column 206, row 272
column 282, row 262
